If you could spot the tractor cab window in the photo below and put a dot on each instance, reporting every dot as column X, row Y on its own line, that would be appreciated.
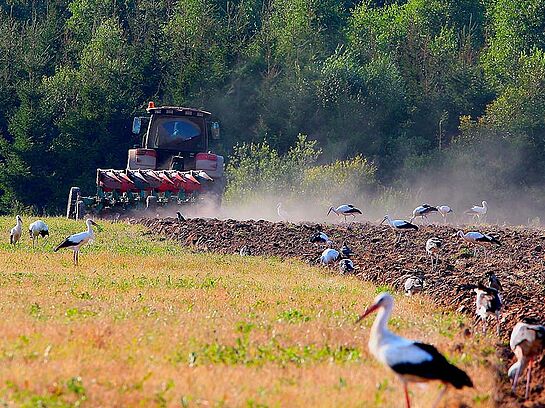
column 175, row 133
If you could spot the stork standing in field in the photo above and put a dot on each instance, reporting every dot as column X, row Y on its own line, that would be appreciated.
column 37, row 229
column 527, row 342
column 487, row 303
column 411, row 361
column 399, row 226
column 320, row 237
column 346, row 266
column 414, row 284
column 478, row 211
column 346, row 251
column 329, row 255
column 478, row 239
column 76, row 241
column 423, row 211
column 444, row 210
column 282, row 213
column 345, row 210
column 16, row 232
column 433, row 246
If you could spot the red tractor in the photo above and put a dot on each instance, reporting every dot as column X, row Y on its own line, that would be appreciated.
column 172, row 167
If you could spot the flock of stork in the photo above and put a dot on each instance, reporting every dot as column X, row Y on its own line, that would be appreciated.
column 411, row 361
column 418, row 362
column 40, row 229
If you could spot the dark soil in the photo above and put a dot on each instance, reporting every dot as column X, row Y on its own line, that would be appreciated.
column 519, row 264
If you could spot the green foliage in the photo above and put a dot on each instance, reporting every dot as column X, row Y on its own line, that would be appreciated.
column 387, row 80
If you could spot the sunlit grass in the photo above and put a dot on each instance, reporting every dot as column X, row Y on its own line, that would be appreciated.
column 145, row 322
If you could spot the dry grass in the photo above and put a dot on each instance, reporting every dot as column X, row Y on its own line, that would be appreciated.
column 142, row 322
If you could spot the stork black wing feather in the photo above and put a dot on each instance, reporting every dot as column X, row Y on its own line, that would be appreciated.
column 65, row 244
column 438, row 368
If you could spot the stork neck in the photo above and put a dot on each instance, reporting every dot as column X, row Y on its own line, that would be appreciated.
column 89, row 228
column 380, row 325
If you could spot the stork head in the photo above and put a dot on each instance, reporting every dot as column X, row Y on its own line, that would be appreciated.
column 384, row 299
column 460, row 234
column 278, row 205
column 18, row 218
column 386, row 218
column 485, row 204
column 90, row 222
column 330, row 209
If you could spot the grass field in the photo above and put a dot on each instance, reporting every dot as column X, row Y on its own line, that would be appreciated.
column 143, row 322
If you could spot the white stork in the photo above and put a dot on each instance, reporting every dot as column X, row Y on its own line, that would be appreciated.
column 329, row 255
column 76, row 241
column 527, row 342
column 423, row 211
column 444, row 210
column 320, row 237
column 282, row 213
column 411, row 361
column 414, row 284
column 345, row 210
column 433, row 246
column 478, row 239
column 37, row 229
column 478, row 211
column 399, row 226
column 488, row 303
column 346, row 266
column 16, row 232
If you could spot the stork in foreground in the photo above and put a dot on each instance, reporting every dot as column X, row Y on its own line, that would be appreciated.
column 345, row 210
column 478, row 211
column 16, row 232
column 76, row 241
column 433, row 246
column 444, row 210
column 282, row 213
column 37, row 229
column 423, row 211
column 478, row 239
column 527, row 342
column 411, row 361
column 399, row 226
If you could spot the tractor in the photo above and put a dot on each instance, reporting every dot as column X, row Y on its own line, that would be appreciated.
column 171, row 167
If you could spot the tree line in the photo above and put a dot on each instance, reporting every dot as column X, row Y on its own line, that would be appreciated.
column 449, row 88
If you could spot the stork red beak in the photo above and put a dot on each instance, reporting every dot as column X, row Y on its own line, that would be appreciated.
column 367, row 312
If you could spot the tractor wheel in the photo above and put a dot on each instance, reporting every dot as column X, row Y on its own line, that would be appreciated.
column 71, row 207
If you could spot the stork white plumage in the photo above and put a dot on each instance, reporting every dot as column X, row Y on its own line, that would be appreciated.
column 423, row 211
column 488, row 303
column 478, row 239
column 527, row 342
column 38, row 229
column 414, row 284
column 399, row 226
column 282, row 213
column 345, row 210
column 478, row 211
column 346, row 266
column 433, row 247
column 411, row 361
column 16, row 232
column 329, row 255
column 320, row 237
column 444, row 210
column 76, row 241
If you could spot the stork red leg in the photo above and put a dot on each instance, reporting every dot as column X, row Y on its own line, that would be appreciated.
column 407, row 400
column 528, row 377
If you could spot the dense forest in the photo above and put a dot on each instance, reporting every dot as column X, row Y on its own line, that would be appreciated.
column 419, row 88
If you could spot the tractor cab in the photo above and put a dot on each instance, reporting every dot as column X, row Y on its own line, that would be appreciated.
column 176, row 139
